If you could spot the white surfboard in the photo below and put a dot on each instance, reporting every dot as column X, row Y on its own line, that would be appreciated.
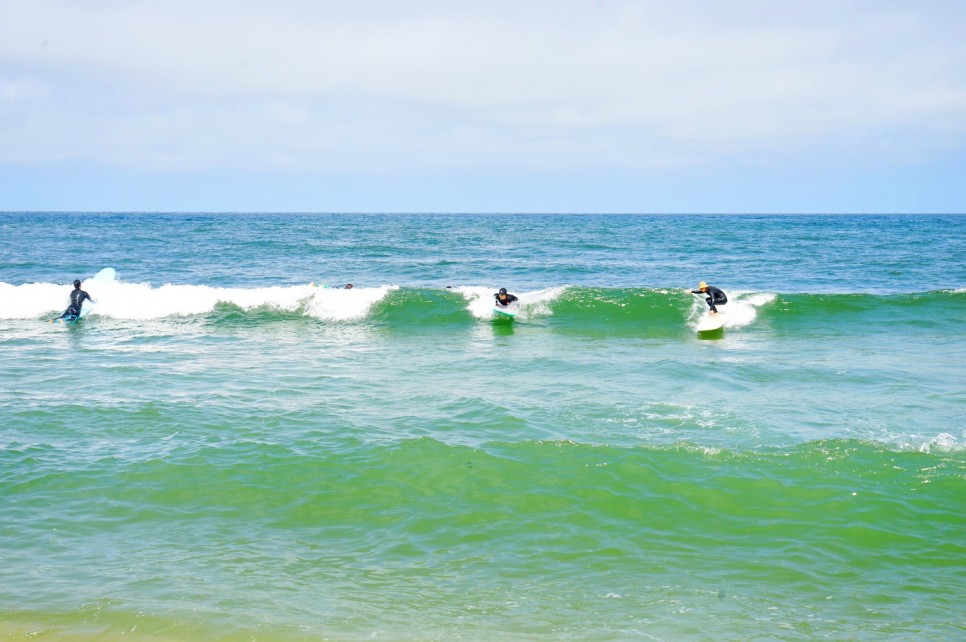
column 503, row 313
column 106, row 275
column 710, row 322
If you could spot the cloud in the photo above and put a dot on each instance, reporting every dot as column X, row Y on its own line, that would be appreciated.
column 443, row 86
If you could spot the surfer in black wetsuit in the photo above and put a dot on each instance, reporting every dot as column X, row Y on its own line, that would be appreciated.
column 77, row 298
column 715, row 296
column 503, row 299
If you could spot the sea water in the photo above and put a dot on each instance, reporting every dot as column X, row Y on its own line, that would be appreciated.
column 232, row 446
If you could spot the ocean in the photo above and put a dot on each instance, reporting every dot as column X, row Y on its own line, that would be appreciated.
column 233, row 446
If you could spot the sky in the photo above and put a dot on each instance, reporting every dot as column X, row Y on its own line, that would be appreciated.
column 740, row 106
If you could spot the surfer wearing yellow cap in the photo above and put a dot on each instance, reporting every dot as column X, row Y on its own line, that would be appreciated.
column 715, row 296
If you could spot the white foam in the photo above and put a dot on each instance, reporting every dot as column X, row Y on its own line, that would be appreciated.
column 343, row 305
column 943, row 442
column 741, row 309
column 142, row 301
column 530, row 304
column 33, row 300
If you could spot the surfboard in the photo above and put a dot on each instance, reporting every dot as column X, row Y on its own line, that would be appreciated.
column 105, row 275
column 710, row 323
column 503, row 313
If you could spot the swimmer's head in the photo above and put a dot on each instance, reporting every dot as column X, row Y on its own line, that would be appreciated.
column 76, row 283
column 702, row 286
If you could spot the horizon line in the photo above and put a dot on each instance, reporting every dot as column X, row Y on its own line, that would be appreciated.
column 469, row 213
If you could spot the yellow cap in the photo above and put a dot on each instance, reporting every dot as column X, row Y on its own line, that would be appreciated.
column 702, row 285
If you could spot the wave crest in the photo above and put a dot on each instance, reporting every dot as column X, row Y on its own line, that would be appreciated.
column 142, row 301
column 573, row 309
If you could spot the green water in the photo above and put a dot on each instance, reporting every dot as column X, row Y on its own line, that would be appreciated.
column 209, row 459
column 527, row 540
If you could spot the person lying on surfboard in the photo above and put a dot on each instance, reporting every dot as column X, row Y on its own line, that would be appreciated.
column 716, row 297
column 77, row 297
column 503, row 299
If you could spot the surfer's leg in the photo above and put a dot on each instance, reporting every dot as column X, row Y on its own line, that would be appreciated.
column 69, row 312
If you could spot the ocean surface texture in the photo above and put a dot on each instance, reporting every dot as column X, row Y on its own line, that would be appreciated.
column 227, row 449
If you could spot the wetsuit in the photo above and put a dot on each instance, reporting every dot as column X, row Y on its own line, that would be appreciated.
column 716, row 297
column 77, row 297
column 510, row 298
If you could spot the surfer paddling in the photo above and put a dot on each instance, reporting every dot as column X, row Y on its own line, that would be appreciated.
column 504, row 299
column 77, row 298
column 715, row 296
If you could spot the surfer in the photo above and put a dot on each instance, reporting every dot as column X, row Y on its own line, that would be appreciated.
column 715, row 296
column 77, row 297
column 503, row 299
